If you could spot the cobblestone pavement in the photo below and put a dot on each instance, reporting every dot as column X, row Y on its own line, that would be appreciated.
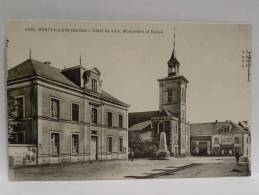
column 138, row 169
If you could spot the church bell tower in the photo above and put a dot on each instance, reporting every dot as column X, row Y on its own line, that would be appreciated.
column 172, row 97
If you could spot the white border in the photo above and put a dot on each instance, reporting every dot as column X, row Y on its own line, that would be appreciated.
column 231, row 11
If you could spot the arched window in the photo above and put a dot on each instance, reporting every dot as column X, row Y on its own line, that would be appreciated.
column 160, row 127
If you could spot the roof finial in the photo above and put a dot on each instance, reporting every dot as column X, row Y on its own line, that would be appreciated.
column 80, row 60
column 30, row 53
column 174, row 40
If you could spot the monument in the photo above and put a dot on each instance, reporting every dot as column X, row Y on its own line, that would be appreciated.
column 162, row 152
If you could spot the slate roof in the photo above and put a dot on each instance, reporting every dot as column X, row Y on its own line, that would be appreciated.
column 213, row 128
column 33, row 67
column 245, row 125
column 173, row 60
column 140, row 126
column 138, row 117
column 109, row 97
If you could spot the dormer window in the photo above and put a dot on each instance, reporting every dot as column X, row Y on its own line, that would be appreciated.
column 94, row 85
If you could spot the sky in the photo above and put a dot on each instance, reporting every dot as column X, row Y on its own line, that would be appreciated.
column 132, row 56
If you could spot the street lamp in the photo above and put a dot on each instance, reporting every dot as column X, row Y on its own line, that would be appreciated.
column 246, row 62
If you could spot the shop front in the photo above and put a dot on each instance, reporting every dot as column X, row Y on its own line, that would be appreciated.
column 201, row 145
column 226, row 150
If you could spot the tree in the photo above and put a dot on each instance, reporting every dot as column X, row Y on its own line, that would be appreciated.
column 134, row 140
column 12, row 116
column 142, row 148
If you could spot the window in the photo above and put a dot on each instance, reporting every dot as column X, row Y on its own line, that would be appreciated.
column 54, row 143
column 237, row 140
column 54, row 108
column 109, row 119
column 120, row 144
column 75, row 144
column 120, row 121
column 160, row 127
column 183, row 95
column 18, row 138
column 20, row 107
column 216, row 140
column 94, row 115
column 174, row 97
column 170, row 96
column 75, row 112
column 109, row 144
column 94, row 85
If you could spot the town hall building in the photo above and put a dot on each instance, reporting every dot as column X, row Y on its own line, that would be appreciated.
column 64, row 115
column 171, row 116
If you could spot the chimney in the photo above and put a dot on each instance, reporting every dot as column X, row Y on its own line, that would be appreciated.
column 216, row 121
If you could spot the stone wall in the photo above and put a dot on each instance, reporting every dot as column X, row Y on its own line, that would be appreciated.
column 22, row 155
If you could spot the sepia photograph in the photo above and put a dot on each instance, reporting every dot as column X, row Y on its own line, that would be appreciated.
column 128, row 100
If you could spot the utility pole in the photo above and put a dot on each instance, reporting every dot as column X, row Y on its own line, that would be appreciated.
column 246, row 62
column 6, row 42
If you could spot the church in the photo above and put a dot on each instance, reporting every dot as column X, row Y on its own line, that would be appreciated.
column 171, row 116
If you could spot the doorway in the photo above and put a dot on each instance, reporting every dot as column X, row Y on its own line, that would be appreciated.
column 93, row 148
column 203, row 148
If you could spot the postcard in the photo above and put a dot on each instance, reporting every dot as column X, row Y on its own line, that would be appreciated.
column 92, row 100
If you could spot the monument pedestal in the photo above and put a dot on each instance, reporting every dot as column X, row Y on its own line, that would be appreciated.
column 162, row 152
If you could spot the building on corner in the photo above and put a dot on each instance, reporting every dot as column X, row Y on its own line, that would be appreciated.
column 65, row 114
column 220, row 138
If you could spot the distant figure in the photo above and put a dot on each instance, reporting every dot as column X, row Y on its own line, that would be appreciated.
column 131, row 155
column 237, row 157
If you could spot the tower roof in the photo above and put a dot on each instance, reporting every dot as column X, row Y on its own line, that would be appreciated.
column 173, row 60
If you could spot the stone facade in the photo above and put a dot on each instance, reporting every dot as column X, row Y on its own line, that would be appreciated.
column 172, row 93
column 67, row 120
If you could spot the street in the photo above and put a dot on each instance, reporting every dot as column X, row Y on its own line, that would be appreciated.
column 137, row 169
